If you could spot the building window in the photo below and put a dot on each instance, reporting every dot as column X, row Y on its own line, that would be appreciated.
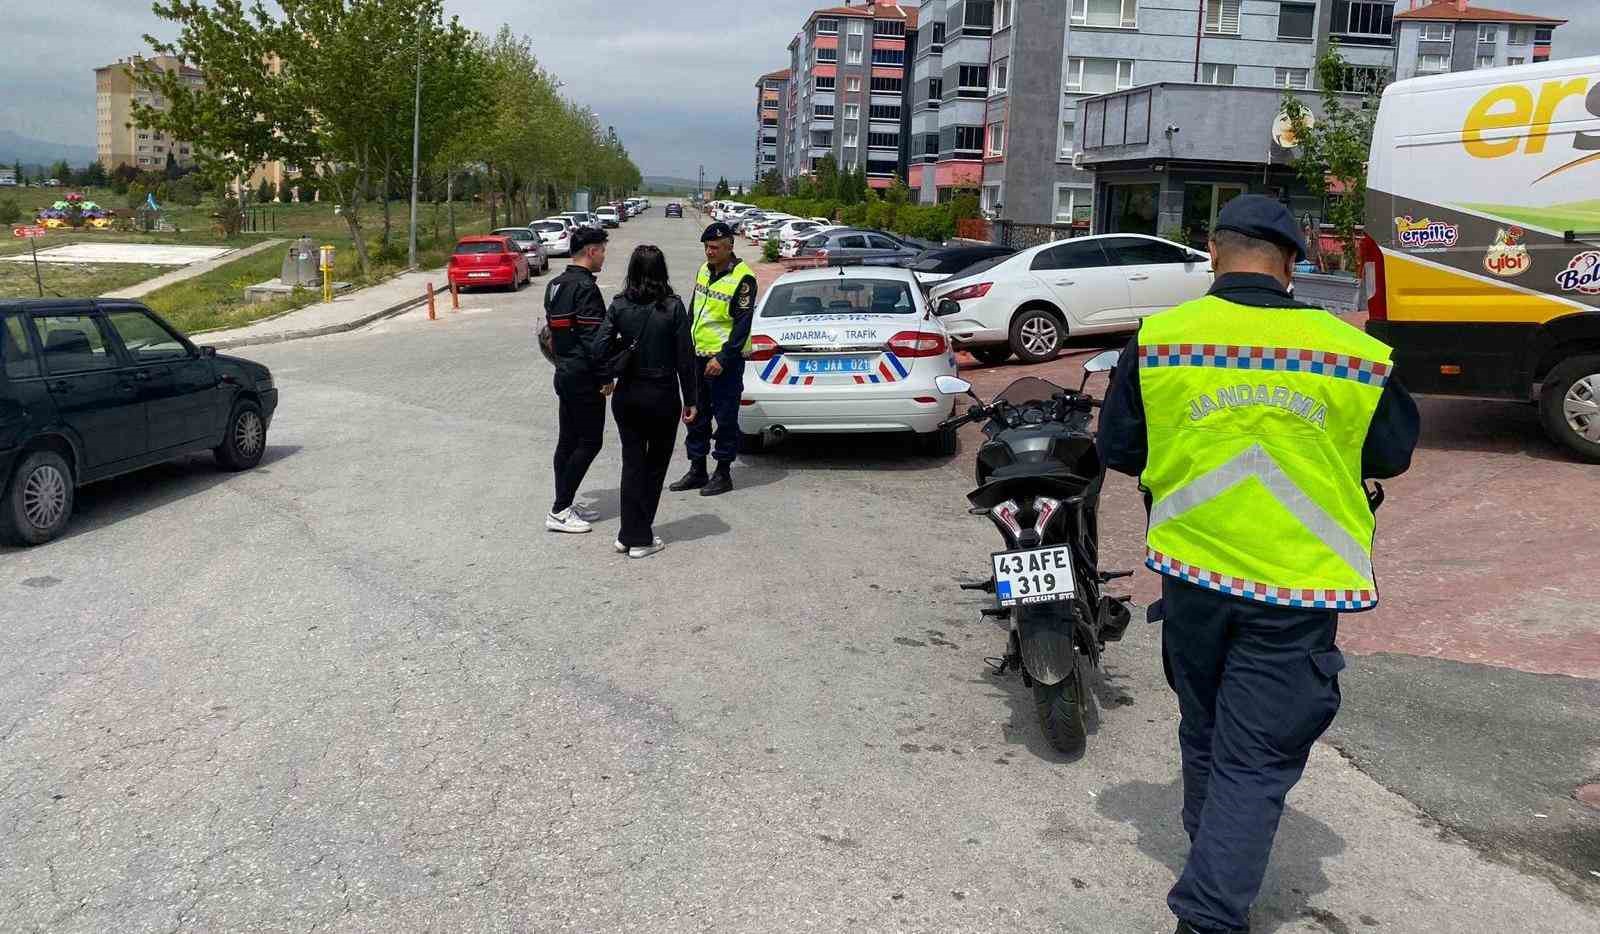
column 827, row 55
column 880, row 167
column 935, row 90
column 1433, row 64
column 997, row 139
column 967, row 141
column 887, row 85
column 1438, row 32
column 1485, row 61
column 885, row 112
column 1520, row 35
column 883, row 140
column 827, row 26
column 1099, row 75
column 889, row 27
column 852, row 111
column 1516, row 60
column 1293, row 77
column 930, row 147
column 1487, row 32
column 1297, row 21
column 822, row 111
column 853, row 85
column 1069, row 136
column 825, row 82
column 888, row 56
column 1544, row 35
column 937, row 42
column 1366, row 18
column 1119, row 14
column 979, row 18
column 822, row 139
column 1222, row 16
column 850, row 138
column 1216, row 74
column 769, row 121
column 974, row 81
column 999, row 75
column 1074, row 204
column 853, row 54
column 1364, row 79
column 991, row 199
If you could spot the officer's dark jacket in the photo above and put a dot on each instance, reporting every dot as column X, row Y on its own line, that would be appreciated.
column 1124, row 443
column 574, row 309
column 665, row 350
column 742, row 309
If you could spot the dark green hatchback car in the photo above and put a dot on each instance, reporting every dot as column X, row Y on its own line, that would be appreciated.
column 94, row 389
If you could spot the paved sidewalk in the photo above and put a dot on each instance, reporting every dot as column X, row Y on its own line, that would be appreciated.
column 144, row 288
column 345, row 313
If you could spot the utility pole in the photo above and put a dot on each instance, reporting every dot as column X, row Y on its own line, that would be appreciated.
column 416, row 148
column 701, row 190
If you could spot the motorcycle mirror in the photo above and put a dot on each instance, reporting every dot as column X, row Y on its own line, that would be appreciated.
column 1101, row 362
column 952, row 385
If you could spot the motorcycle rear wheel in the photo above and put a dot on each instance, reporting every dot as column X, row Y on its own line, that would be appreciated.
column 1062, row 711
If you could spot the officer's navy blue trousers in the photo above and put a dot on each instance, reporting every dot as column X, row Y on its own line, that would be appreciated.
column 724, row 393
column 1256, row 685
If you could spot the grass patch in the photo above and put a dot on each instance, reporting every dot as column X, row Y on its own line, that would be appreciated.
column 1579, row 215
column 62, row 280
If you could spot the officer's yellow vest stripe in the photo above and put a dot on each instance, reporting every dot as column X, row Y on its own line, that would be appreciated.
column 1256, row 420
column 713, row 307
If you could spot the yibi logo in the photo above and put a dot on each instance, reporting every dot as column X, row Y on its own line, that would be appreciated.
column 1507, row 257
column 1582, row 274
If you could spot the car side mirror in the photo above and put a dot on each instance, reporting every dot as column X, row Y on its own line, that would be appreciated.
column 947, row 308
column 952, row 385
column 1101, row 362
column 208, row 351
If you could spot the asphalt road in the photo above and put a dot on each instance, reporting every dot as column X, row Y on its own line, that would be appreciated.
column 361, row 688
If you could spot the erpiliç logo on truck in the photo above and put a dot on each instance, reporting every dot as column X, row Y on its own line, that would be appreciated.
column 1416, row 235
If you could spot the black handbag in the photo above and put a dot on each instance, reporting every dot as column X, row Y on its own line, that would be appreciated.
column 621, row 363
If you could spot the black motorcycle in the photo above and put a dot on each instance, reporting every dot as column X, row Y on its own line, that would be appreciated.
column 1039, row 479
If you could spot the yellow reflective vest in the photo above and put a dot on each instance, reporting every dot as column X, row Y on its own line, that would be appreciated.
column 1256, row 418
column 712, row 315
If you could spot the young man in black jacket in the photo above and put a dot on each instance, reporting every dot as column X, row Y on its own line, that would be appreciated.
column 574, row 309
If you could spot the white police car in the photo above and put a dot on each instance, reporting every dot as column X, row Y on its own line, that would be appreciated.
column 846, row 348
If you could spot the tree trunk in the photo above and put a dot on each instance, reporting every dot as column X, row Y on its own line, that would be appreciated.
column 383, row 192
column 450, row 201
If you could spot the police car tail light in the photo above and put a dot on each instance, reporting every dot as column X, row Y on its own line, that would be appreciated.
column 970, row 292
column 1006, row 514
column 762, row 347
column 1044, row 507
column 918, row 344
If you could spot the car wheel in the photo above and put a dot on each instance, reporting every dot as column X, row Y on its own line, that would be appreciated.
column 992, row 356
column 1570, row 405
column 940, row 443
column 245, row 440
column 1036, row 335
column 38, row 503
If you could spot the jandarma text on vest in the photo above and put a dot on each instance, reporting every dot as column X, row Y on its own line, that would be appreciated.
column 1312, row 410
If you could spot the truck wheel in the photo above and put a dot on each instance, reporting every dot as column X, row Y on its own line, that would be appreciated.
column 38, row 501
column 1570, row 405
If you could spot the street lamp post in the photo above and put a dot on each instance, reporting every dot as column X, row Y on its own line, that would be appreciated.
column 416, row 149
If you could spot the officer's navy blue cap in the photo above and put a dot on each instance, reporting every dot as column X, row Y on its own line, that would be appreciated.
column 717, row 231
column 587, row 236
column 1261, row 218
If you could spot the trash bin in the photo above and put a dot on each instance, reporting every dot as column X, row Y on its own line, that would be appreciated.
column 300, row 264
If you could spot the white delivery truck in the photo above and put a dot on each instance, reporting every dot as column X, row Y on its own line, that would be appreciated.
column 1481, row 264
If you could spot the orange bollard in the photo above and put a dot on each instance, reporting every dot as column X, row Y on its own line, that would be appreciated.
column 455, row 297
column 432, row 315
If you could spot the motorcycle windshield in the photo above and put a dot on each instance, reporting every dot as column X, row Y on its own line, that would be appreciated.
column 1028, row 389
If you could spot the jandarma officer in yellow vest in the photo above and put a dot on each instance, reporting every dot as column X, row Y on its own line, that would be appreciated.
column 719, row 315
column 1251, row 421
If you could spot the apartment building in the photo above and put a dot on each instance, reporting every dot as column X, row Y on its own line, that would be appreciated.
column 1450, row 35
column 772, row 104
column 118, row 140
column 846, row 85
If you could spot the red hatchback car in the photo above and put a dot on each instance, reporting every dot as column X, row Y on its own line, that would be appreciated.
column 489, row 261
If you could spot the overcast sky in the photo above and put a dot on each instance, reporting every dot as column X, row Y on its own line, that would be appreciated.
column 675, row 77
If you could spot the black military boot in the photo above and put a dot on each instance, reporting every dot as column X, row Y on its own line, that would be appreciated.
column 720, row 483
column 694, row 479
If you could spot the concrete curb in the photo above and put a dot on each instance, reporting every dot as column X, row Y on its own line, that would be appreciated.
column 325, row 330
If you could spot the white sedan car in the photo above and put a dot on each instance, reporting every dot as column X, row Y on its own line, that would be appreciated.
column 556, row 232
column 793, row 235
column 846, row 349
column 1029, row 303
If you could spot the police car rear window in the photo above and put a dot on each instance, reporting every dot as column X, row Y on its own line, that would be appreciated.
column 836, row 296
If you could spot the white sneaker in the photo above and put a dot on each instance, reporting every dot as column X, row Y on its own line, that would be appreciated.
column 645, row 552
column 623, row 549
column 566, row 521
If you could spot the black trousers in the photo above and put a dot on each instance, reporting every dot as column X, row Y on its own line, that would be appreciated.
column 1256, row 685
column 719, row 401
column 647, row 411
column 582, row 419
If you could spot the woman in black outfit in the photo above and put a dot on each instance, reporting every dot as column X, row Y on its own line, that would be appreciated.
column 649, row 318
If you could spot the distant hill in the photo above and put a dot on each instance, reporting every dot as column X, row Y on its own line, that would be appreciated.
column 669, row 184
column 14, row 147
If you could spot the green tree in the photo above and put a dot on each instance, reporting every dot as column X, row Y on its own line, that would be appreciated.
column 825, row 178
column 62, row 171
column 10, row 212
column 93, row 176
column 770, row 185
column 722, row 191
column 1334, row 149
column 16, row 168
column 265, row 192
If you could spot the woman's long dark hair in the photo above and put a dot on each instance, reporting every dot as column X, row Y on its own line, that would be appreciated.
column 647, row 276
